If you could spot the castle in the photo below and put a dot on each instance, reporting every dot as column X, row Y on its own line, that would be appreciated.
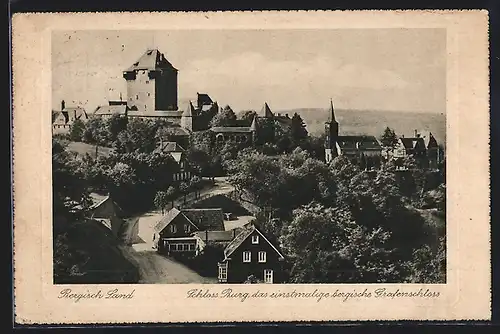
column 152, row 94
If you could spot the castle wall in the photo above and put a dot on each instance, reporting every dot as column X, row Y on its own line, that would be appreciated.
column 141, row 92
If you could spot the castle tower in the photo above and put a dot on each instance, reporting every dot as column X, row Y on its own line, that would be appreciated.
column 187, row 117
column 151, row 83
column 331, row 135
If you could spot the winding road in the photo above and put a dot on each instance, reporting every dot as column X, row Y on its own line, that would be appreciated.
column 153, row 267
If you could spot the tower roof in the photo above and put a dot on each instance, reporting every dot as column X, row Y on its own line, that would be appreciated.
column 152, row 59
column 253, row 126
column 331, row 116
column 265, row 111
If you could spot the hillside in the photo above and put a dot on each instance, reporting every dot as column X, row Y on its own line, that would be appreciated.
column 84, row 148
column 369, row 122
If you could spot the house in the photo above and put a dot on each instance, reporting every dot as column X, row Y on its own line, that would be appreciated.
column 63, row 119
column 423, row 145
column 251, row 253
column 180, row 156
column 366, row 148
column 173, row 234
column 107, row 212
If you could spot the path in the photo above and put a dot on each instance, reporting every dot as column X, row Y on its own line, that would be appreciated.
column 153, row 267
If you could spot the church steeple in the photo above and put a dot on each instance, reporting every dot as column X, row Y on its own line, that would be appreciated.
column 331, row 134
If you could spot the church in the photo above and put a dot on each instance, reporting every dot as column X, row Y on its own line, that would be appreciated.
column 366, row 149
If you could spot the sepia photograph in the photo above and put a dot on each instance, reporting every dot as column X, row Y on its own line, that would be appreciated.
column 249, row 156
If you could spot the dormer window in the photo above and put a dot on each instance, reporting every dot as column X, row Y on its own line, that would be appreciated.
column 173, row 228
column 255, row 239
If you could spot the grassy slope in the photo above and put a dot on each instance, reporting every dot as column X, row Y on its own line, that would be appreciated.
column 368, row 122
column 83, row 148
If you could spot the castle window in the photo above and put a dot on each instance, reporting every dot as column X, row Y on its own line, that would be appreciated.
column 149, row 94
column 137, row 97
column 147, row 81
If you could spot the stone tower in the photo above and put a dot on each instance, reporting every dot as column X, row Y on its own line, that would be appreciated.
column 331, row 135
column 151, row 83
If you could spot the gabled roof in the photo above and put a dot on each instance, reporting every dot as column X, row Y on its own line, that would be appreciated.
column 152, row 59
column 156, row 113
column 170, row 146
column 413, row 142
column 265, row 111
column 206, row 219
column 167, row 219
column 244, row 234
column 253, row 126
column 358, row 142
column 203, row 99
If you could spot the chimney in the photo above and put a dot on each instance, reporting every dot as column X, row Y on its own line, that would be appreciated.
column 234, row 233
column 63, row 105
column 206, row 235
column 416, row 133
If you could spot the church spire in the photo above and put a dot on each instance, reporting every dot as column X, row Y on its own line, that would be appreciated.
column 332, row 112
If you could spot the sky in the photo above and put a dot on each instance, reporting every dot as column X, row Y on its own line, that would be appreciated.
column 368, row 69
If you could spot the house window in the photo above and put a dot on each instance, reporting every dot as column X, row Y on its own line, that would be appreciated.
column 187, row 228
column 255, row 239
column 262, row 256
column 192, row 247
column 268, row 276
column 223, row 272
column 185, row 247
column 173, row 228
column 247, row 256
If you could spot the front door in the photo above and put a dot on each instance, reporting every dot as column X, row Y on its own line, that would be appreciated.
column 268, row 276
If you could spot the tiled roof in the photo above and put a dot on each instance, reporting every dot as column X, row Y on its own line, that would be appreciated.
column 206, row 219
column 358, row 142
column 242, row 236
column 231, row 129
column 152, row 59
column 166, row 219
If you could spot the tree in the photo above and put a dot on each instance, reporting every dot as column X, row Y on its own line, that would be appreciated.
column 184, row 189
column 298, row 130
column 247, row 115
column 428, row 265
column 96, row 132
column 325, row 245
column 116, row 124
column 225, row 117
column 161, row 200
column 76, row 131
column 171, row 193
column 389, row 140
column 195, row 184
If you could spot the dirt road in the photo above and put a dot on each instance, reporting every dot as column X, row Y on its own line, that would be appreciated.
column 155, row 268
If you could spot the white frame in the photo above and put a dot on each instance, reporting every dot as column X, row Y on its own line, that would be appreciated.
column 255, row 239
column 262, row 257
column 173, row 228
column 270, row 273
column 247, row 259
column 222, row 272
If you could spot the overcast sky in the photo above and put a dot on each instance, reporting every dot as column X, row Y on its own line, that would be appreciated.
column 372, row 69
